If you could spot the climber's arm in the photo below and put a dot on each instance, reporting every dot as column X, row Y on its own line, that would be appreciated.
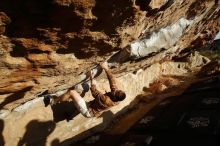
column 95, row 92
column 110, row 76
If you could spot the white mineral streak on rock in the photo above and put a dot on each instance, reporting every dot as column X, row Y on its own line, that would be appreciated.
column 28, row 104
column 217, row 37
column 4, row 113
column 165, row 38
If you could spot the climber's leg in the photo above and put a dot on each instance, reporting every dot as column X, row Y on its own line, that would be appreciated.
column 63, row 97
column 80, row 104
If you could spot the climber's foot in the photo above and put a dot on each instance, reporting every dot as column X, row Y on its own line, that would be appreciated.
column 68, row 116
column 46, row 100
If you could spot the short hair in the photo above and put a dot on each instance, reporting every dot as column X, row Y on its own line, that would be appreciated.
column 120, row 95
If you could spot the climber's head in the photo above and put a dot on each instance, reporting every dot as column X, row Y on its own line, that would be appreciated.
column 119, row 95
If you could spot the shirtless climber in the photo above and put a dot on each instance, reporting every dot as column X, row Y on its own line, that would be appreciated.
column 101, row 101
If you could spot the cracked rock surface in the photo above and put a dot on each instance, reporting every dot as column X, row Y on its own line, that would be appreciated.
column 46, row 46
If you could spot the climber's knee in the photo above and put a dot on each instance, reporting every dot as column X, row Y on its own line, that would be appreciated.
column 75, row 95
column 80, row 104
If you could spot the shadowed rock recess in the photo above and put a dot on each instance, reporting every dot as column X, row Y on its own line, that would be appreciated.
column 155, row 48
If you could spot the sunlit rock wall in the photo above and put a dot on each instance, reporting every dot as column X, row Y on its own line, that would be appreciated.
column 35, row 124
column 45, row 45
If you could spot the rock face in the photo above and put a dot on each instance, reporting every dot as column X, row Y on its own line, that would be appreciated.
column 49, row 124
column 45, row 45
column 173, row 121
